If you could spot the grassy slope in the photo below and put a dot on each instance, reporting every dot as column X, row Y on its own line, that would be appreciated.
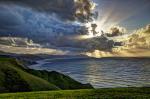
column 15, row 70
column 116, row 93
column 60, row 80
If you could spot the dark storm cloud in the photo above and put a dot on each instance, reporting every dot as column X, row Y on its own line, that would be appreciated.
column 116, row 31
column 8, row 19
column 42, row 17
column 25, row 22
column 65, row 9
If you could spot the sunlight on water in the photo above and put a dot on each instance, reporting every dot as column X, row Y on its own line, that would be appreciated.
column 101, row 73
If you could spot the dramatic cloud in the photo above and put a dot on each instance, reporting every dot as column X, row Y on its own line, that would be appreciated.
column 136, row 44
column 48, row 29
column 86, row 44
column 42, row 22
column 84, row 10
column 43, row 18
column 139, row 39
column 24, row 22
column 65, row 9
column 98, row 43
column 116, row 31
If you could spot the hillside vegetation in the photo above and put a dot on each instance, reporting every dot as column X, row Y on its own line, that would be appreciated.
column 15, row 78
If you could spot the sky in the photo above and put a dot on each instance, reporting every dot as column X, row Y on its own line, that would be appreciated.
column 131, row 14
column 18, row 14
column 62, row 23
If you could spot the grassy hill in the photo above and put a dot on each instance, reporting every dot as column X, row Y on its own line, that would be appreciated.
column 14, row 77
column 114, row 93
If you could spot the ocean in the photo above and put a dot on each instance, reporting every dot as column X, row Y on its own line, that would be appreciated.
column 102, row 73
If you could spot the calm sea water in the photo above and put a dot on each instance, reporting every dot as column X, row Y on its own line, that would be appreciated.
column 102, row 73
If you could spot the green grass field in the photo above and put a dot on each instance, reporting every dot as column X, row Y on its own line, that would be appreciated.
column 114, row 93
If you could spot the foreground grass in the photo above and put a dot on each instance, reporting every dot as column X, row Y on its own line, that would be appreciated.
column 114, row 93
